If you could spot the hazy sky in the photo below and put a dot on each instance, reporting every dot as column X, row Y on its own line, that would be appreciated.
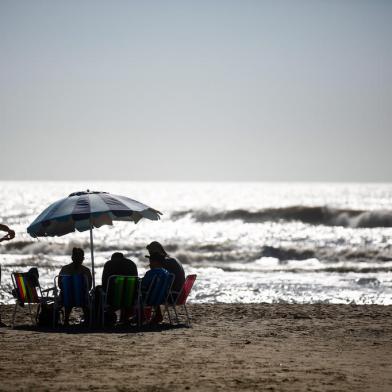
column 196, row 90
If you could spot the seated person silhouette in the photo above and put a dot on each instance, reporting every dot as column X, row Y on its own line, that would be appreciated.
column 117, row 265
column 170, row 264
column 76, row 268
column 156, row 271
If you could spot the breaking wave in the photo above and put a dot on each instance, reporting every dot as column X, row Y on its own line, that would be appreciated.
column 326, row 254
column 211, row 252
column 326, row 216
column 283, row 255
column 39, row 247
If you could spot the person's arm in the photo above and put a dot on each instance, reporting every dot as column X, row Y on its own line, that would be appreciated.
column 132, row 270
column 10, row 233
column 136, row 273
column 60, row 283
column 104, row 277
column 146, row 280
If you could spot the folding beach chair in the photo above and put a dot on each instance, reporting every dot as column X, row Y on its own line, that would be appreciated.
column 179, row 298
column 158, row 294
column 72, row 291
column 122, row 292
column 28, row 293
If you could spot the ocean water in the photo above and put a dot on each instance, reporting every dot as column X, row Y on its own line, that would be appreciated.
column 247, row 242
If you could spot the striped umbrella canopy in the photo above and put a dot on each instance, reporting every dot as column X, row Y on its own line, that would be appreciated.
column 84, row 211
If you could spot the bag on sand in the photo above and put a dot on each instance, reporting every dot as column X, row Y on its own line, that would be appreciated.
column 45, row 315
column 110, row 318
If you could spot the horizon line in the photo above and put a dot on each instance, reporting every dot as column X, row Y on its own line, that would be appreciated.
column 364, row 182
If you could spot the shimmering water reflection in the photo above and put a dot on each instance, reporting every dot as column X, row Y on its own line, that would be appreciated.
column 248, row 242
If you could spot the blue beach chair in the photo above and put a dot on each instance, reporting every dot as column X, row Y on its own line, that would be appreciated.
column 157, row 293
column 72, row 291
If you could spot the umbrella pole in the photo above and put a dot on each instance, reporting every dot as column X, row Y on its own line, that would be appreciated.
column 92, row 255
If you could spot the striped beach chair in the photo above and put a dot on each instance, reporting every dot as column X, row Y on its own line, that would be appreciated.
column 122, row 292
column 28, row 293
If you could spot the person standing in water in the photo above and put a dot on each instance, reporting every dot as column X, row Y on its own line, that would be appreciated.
column 9, row 236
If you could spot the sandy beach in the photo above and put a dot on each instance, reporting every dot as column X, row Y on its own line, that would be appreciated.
column 230, row 347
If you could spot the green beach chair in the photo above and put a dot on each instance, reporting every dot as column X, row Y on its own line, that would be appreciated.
column 122, row 293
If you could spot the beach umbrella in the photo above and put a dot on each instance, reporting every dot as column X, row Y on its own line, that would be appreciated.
column 84, row 211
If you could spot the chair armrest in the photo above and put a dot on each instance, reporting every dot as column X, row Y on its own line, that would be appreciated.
column 47, row 290
column 45, row 293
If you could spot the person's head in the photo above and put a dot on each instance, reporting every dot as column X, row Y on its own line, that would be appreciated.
column 117, row 256
column 33, row 271
column 156, row 260
column 34, row 275
column 156, row 247
column 77, row 256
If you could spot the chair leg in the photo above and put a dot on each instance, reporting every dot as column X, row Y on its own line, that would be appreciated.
column 139, row 305
column 168, row 313
column 101, row 306
column 36, row 315
column 187, row 316
column 139, row 316
column 175, row 312
column 102, row 314
column 137, row 311
column 90, row 321
column 14, row 314
column 54, row 315
column 31, row 315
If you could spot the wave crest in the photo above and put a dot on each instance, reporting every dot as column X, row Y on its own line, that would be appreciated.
column 311, row 215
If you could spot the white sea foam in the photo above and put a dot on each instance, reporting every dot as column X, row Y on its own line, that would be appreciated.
column 247, row 242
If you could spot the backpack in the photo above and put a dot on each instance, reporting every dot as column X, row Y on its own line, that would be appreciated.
column 45, row 316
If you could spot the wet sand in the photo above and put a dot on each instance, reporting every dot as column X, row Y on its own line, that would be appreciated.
column 230, row 347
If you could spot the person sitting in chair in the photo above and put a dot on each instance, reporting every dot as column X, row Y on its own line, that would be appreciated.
column 156, row 271
column 76, row 268
column 170, row 264
column 118, row 265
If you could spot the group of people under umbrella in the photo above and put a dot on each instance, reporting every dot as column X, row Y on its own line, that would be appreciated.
column 161, row 265
column 84, row 211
